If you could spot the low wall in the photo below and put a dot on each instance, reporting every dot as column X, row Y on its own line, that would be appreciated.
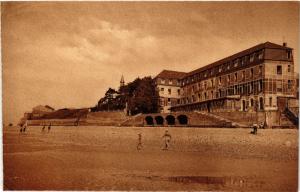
column 54, row 122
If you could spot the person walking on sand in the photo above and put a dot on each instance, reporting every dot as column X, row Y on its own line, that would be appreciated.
column 167, row 139
column 139, row 145
column 21, row 128
column 43, row 129
column 49, row 127
column 24, row 126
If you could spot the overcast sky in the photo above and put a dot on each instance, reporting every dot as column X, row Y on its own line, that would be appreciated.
column 68, row 54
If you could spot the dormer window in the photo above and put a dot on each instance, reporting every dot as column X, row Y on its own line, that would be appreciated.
column 289, row 54
column 162, row 81
column 235, row 63
column 251, row 57
column 260, row 55
column 170, row 82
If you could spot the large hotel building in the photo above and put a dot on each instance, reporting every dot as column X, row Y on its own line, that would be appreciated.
column 260, row 78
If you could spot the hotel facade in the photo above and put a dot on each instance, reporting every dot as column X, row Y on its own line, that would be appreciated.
column 261, row 78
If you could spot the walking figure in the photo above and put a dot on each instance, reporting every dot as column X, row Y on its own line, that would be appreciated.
column 21, row 128
column 139, row 145
column 43, row 129
column 24, row 126
column 167, row 139
column 49, row 127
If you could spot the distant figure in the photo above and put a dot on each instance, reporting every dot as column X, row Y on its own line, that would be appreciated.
column 139, row 145
column 255, row 126
column 43, row 129
column 49, row 127
column 24, row 127
column 21, row 128
column 167, row 139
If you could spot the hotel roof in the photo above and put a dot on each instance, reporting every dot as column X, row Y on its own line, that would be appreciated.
column 239, row 54
column 171, row 74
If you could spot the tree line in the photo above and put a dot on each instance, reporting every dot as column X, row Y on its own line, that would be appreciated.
column 139, row 96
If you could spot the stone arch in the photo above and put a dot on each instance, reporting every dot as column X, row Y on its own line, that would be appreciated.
column 182, row 119
column 170, row 120
column 149, row 120
column 159, row 120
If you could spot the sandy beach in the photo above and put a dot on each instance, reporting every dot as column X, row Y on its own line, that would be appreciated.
column 106, row 158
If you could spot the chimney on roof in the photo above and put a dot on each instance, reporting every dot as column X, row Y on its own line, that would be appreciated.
column 284, row 44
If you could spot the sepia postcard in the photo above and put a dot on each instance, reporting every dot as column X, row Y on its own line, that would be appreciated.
column 150, row 96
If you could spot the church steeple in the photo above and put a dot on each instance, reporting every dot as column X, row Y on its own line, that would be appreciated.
column 122, row 82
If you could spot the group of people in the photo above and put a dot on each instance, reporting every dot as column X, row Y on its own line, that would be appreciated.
column 49, row 127
column 166, row 138
column 24, row 126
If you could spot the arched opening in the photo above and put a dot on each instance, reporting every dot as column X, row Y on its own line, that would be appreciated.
column 182, row 119
column 170, row 120
column 159, row 120
column 149, row 120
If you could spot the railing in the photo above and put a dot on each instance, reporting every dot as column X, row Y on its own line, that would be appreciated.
column 294, row 110
column 291, row 116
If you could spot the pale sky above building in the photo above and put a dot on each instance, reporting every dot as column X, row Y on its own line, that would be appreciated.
column 68, row 54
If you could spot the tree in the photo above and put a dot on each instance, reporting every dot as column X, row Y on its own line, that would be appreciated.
column 143, row 96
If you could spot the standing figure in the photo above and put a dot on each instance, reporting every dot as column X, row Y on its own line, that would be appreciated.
column 254, row 126
column 43, row 129
column 49, row 127
column 139, row 145
column 24, row 126
column 167, row 139
column 21, row 128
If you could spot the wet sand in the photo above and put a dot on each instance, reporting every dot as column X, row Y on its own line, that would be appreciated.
column 106, row 158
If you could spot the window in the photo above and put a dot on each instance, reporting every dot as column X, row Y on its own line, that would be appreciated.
column 228, row 78
column 220, row 81
column 162, row 89
column 205, row 95
column 235, row 76
column 178, row 91
column 279, row 70
column 212, row 94
column 251, row 57
column 270, row 101
column 260, row 69
column 220, row 69
column 205, row 85
column 169, row 91
column 289, row 54
column 289, row 68
column 170, row 81
column 289, row 84
column 260, row 55
column 228, row 66
column 169, row 99
column 243, row 75
column 251, row 102
column 193, row 88
column 235, row 63
column 162, row 81
column 243, row 60
column 251, row 72
column 212, row 82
